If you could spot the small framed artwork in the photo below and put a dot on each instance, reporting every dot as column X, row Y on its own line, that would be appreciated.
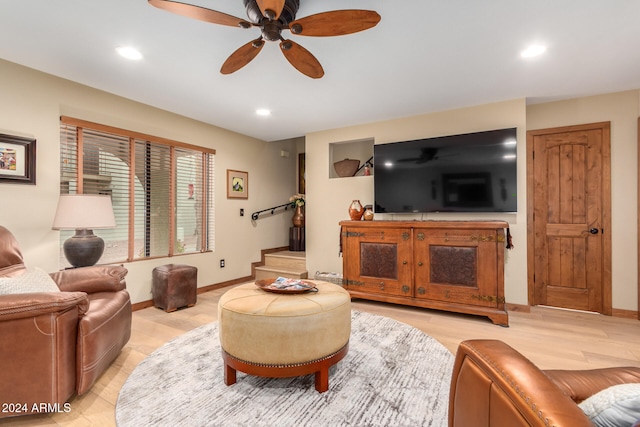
column 17, row 160
column 237, row 184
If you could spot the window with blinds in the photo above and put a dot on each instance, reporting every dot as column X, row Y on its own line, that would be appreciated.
column 162, row 191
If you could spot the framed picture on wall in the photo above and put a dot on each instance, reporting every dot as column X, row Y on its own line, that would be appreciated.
column 237, row 184
column 17, row 160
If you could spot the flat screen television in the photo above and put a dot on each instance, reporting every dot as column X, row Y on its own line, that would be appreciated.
column 473, row 172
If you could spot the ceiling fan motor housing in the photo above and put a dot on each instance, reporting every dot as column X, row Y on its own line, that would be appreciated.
column 288, row 12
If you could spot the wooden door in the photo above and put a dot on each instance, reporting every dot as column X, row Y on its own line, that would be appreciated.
column 569, row 225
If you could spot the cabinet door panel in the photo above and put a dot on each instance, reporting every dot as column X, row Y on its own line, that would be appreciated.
column 457, row 265
column 380, row 260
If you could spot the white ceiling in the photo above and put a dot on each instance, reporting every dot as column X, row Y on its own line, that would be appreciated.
column 424, row 56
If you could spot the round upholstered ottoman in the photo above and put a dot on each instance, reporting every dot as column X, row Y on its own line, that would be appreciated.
column 284, row 335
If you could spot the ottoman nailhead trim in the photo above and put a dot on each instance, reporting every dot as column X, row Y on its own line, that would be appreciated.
column 290, row 365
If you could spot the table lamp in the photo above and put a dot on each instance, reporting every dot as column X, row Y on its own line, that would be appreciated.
column 83, row 213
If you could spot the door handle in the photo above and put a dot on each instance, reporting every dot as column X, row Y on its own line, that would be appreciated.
column 593, row 230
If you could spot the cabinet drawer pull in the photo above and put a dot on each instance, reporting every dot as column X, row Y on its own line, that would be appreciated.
column 420, row 264
column 422, row 290
column 404, row 262
column 405, row 289
column 420, row 236
column 382, row 286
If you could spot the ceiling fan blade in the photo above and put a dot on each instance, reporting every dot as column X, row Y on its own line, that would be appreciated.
column 274, row 6
column 200, row 13
column 242, row 56
column 335, row 23
column 301, row 59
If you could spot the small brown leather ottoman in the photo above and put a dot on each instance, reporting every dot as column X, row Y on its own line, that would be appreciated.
column 174, row 286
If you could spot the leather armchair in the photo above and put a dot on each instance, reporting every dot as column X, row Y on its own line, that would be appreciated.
column 495, row 386
column 54, row 344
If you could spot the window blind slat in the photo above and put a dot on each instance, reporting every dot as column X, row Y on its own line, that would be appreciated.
column 107, row 169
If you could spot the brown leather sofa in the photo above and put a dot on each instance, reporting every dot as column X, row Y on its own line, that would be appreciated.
column 54, row 344
column 495, row 386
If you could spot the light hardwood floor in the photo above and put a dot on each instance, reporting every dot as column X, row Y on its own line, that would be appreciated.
column 551, row 338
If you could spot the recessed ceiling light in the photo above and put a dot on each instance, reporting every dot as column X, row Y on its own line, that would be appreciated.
column 263, row 112
column 129, row 52
column 533, row 50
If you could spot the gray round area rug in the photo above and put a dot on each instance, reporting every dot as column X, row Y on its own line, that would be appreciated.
column 393, row 375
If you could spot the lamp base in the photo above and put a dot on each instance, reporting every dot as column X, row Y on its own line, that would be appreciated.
column 83, row 249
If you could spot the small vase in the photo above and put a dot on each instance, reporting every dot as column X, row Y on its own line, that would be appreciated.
column 368, row 214
column 298, row 217
column 356, row 210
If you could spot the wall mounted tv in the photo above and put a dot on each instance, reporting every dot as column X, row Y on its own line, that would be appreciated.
column 473, row 172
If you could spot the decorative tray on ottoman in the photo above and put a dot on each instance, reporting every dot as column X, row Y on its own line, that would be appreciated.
column 283, row 285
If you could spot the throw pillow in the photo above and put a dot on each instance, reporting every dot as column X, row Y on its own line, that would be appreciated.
column 32, row 280
column 615, row 406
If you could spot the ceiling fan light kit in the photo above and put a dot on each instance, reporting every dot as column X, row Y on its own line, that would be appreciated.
column 273, row 17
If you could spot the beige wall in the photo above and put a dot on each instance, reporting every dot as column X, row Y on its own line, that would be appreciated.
column 622, row 110
column 328, row 199
column 31, row 105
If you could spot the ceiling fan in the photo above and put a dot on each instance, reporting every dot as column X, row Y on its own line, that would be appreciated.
column 272, row 17
column 427, row 154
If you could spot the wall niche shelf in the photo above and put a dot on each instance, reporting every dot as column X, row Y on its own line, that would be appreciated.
column 361, row 150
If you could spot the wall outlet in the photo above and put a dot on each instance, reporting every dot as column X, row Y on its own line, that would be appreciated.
column 221, row 263
column 241, row 212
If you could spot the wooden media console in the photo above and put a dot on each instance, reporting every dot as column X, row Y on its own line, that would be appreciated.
column 445, row 265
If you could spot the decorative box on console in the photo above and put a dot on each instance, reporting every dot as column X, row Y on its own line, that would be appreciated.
column 174, row 286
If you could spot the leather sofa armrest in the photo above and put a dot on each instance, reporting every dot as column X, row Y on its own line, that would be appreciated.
column 20, row 306
column 97, row 278
column 579, row 385
column 494, row 385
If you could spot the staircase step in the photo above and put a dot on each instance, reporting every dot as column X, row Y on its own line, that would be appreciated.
column 267, row 272
column 286, row 260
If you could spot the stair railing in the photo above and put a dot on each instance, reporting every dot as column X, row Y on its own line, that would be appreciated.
column 255, row 215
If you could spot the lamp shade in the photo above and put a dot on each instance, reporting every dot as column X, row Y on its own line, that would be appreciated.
column 84, row 211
